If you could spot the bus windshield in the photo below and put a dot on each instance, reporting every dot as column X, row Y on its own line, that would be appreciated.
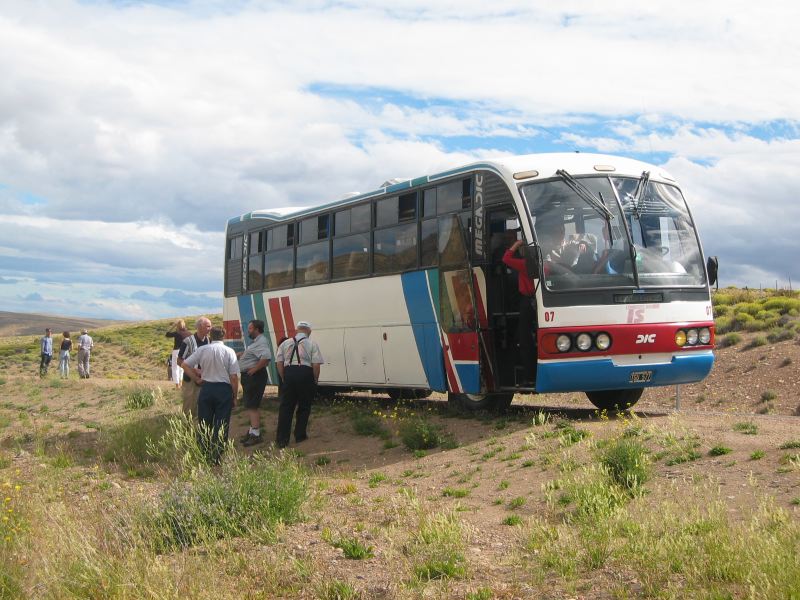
column 584, row 247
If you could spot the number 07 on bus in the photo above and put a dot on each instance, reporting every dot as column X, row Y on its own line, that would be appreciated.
column 528, row 274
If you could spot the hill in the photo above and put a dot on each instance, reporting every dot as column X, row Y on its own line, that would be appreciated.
column 14, row 323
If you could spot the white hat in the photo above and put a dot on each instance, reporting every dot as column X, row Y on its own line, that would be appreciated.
column 303, row 324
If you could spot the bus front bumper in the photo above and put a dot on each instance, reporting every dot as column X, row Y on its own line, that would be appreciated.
column 586, row 375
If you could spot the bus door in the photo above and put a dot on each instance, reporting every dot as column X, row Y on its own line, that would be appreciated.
column 502, row 296
column 461, row 309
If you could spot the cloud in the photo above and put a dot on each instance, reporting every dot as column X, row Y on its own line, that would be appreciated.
column 179, row 299
column 131, row 132
column 34, row 297
column 7, row 281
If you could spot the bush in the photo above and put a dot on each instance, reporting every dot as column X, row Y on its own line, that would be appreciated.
column 129, row 445
column 780, row 335
column 627, row 463
column 719, row 450
column 368, row 424
column 768, row 395
column 757, row 342
column 746, row 427
column 143, row 398
column 353, row 548
column 419, row 434
column 247, row 498
column 731, row 340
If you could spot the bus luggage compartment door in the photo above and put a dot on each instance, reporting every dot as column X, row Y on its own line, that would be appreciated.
column 363, row 353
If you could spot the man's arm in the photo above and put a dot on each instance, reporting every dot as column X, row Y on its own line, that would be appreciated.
column 258, row 366
column 181, row 352
column 235, row 386
column 315, row 367
column 518, row 264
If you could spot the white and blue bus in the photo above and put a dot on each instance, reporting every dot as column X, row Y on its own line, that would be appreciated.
column 407, row 291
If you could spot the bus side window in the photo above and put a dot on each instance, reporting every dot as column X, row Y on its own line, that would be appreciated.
column 233, row 266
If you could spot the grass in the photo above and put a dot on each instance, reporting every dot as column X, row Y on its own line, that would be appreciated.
column 437, row 547
column 746, row 427
column 248, row 498
column 768, row 395
column 719, row 450
column 450, row 492
column 790, row 445
column 368, row 424
column 757, row 455
column 353, row 548
column 516, row 503
column 512, row 520
column 627, row 463
column 418, row 433
column 141, row 397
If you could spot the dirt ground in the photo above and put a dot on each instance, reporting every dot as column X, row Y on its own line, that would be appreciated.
column 498, row 459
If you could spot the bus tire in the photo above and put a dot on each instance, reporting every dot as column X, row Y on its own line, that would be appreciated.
column 475, row 402
column 618, row 400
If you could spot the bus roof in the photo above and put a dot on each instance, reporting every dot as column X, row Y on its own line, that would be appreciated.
column 526, row 167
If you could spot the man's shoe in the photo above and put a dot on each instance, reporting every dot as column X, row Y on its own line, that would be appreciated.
column 300, row 439
column 252, row 440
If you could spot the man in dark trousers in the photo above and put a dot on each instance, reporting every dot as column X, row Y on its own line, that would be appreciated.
column 253, row 364
column 218, row 389
column 298, row 361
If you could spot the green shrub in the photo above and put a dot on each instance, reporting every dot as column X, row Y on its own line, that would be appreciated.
column 627, row 463
column 419, row 434
column 749, row 308
column 337, row 590
column 758, row 455
column 247, row 498
column 143, row 397
column 731, row 340
column 746, row 427
column 368, row 424
column 451, row 492
column 757, row 342
column 791, row 445
column 724, row 325
column 782, row 304
column 568, row 435
column 353, row 548
column 129, row 445
column 719, row 450
column 512, row 520
column 516, row 503
column 376, row 478
column 780, row 335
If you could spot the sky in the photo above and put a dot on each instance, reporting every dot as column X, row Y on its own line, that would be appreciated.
column 130, row 132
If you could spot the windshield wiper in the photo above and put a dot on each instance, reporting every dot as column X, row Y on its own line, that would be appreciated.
column 584, row 193
column 638, row 193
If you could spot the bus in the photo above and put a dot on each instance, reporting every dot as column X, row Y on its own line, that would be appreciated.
column 407, row 291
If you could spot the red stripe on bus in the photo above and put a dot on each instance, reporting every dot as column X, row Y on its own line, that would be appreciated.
column 233, row 329
column 464, row 346
column 448, row 367
column 287, row 316
column 277, row 318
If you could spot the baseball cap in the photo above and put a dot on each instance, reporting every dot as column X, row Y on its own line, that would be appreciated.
column 302, row 324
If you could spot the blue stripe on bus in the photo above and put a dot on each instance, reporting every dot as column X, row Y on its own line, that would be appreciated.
column 425, row 327
column 246, row 314
column 603, row 374
column 470, row 376
column 261, row 314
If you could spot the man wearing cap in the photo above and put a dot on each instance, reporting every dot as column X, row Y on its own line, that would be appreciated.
column 219, row 370
column 253, row 364
column 85, row 345
column 298, row 360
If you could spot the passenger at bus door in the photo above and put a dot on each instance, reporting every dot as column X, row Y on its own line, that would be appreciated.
column 527, row 311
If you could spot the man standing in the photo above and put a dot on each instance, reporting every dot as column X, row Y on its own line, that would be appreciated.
column 298, row 360
column 190, row 390
column 46, row 344
column 85, row 345
column 253, row 364
column 219, row 369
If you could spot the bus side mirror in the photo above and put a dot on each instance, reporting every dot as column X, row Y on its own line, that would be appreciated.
column 712, row 267
column 532, row 261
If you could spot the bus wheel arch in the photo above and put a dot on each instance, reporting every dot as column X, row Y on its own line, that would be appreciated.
column 473, row 402
column 615, row 399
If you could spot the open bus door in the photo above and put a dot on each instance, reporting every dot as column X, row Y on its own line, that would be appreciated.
column 466, row 329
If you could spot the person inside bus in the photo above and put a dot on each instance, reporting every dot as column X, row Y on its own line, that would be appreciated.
column 561, row 254
column 526, row 325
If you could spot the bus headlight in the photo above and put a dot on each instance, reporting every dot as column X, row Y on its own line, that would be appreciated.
column 691, row 337
column 705, row 335
column 680, row 338
column 603, row 341
column 563, row 343
column 584, row 342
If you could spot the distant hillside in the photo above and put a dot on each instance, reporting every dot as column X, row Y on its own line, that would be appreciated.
column 13, row 323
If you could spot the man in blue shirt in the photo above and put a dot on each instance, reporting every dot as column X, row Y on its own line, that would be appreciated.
column 47, row 352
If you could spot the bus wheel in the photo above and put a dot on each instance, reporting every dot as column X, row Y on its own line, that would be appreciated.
column 615, row 399
column 474, row 402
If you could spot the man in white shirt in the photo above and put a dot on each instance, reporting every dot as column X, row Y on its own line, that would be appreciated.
column 253, row 364
column 220, row 382
column 85, row 345
column 298, row 360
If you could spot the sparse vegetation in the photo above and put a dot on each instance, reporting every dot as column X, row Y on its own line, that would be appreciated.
column 746, row 427
column 143, row 397
column 719, row 450
column 757, row 455
column 419, row 434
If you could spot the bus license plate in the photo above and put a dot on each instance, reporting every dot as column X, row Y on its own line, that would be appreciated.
column 641, row 376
